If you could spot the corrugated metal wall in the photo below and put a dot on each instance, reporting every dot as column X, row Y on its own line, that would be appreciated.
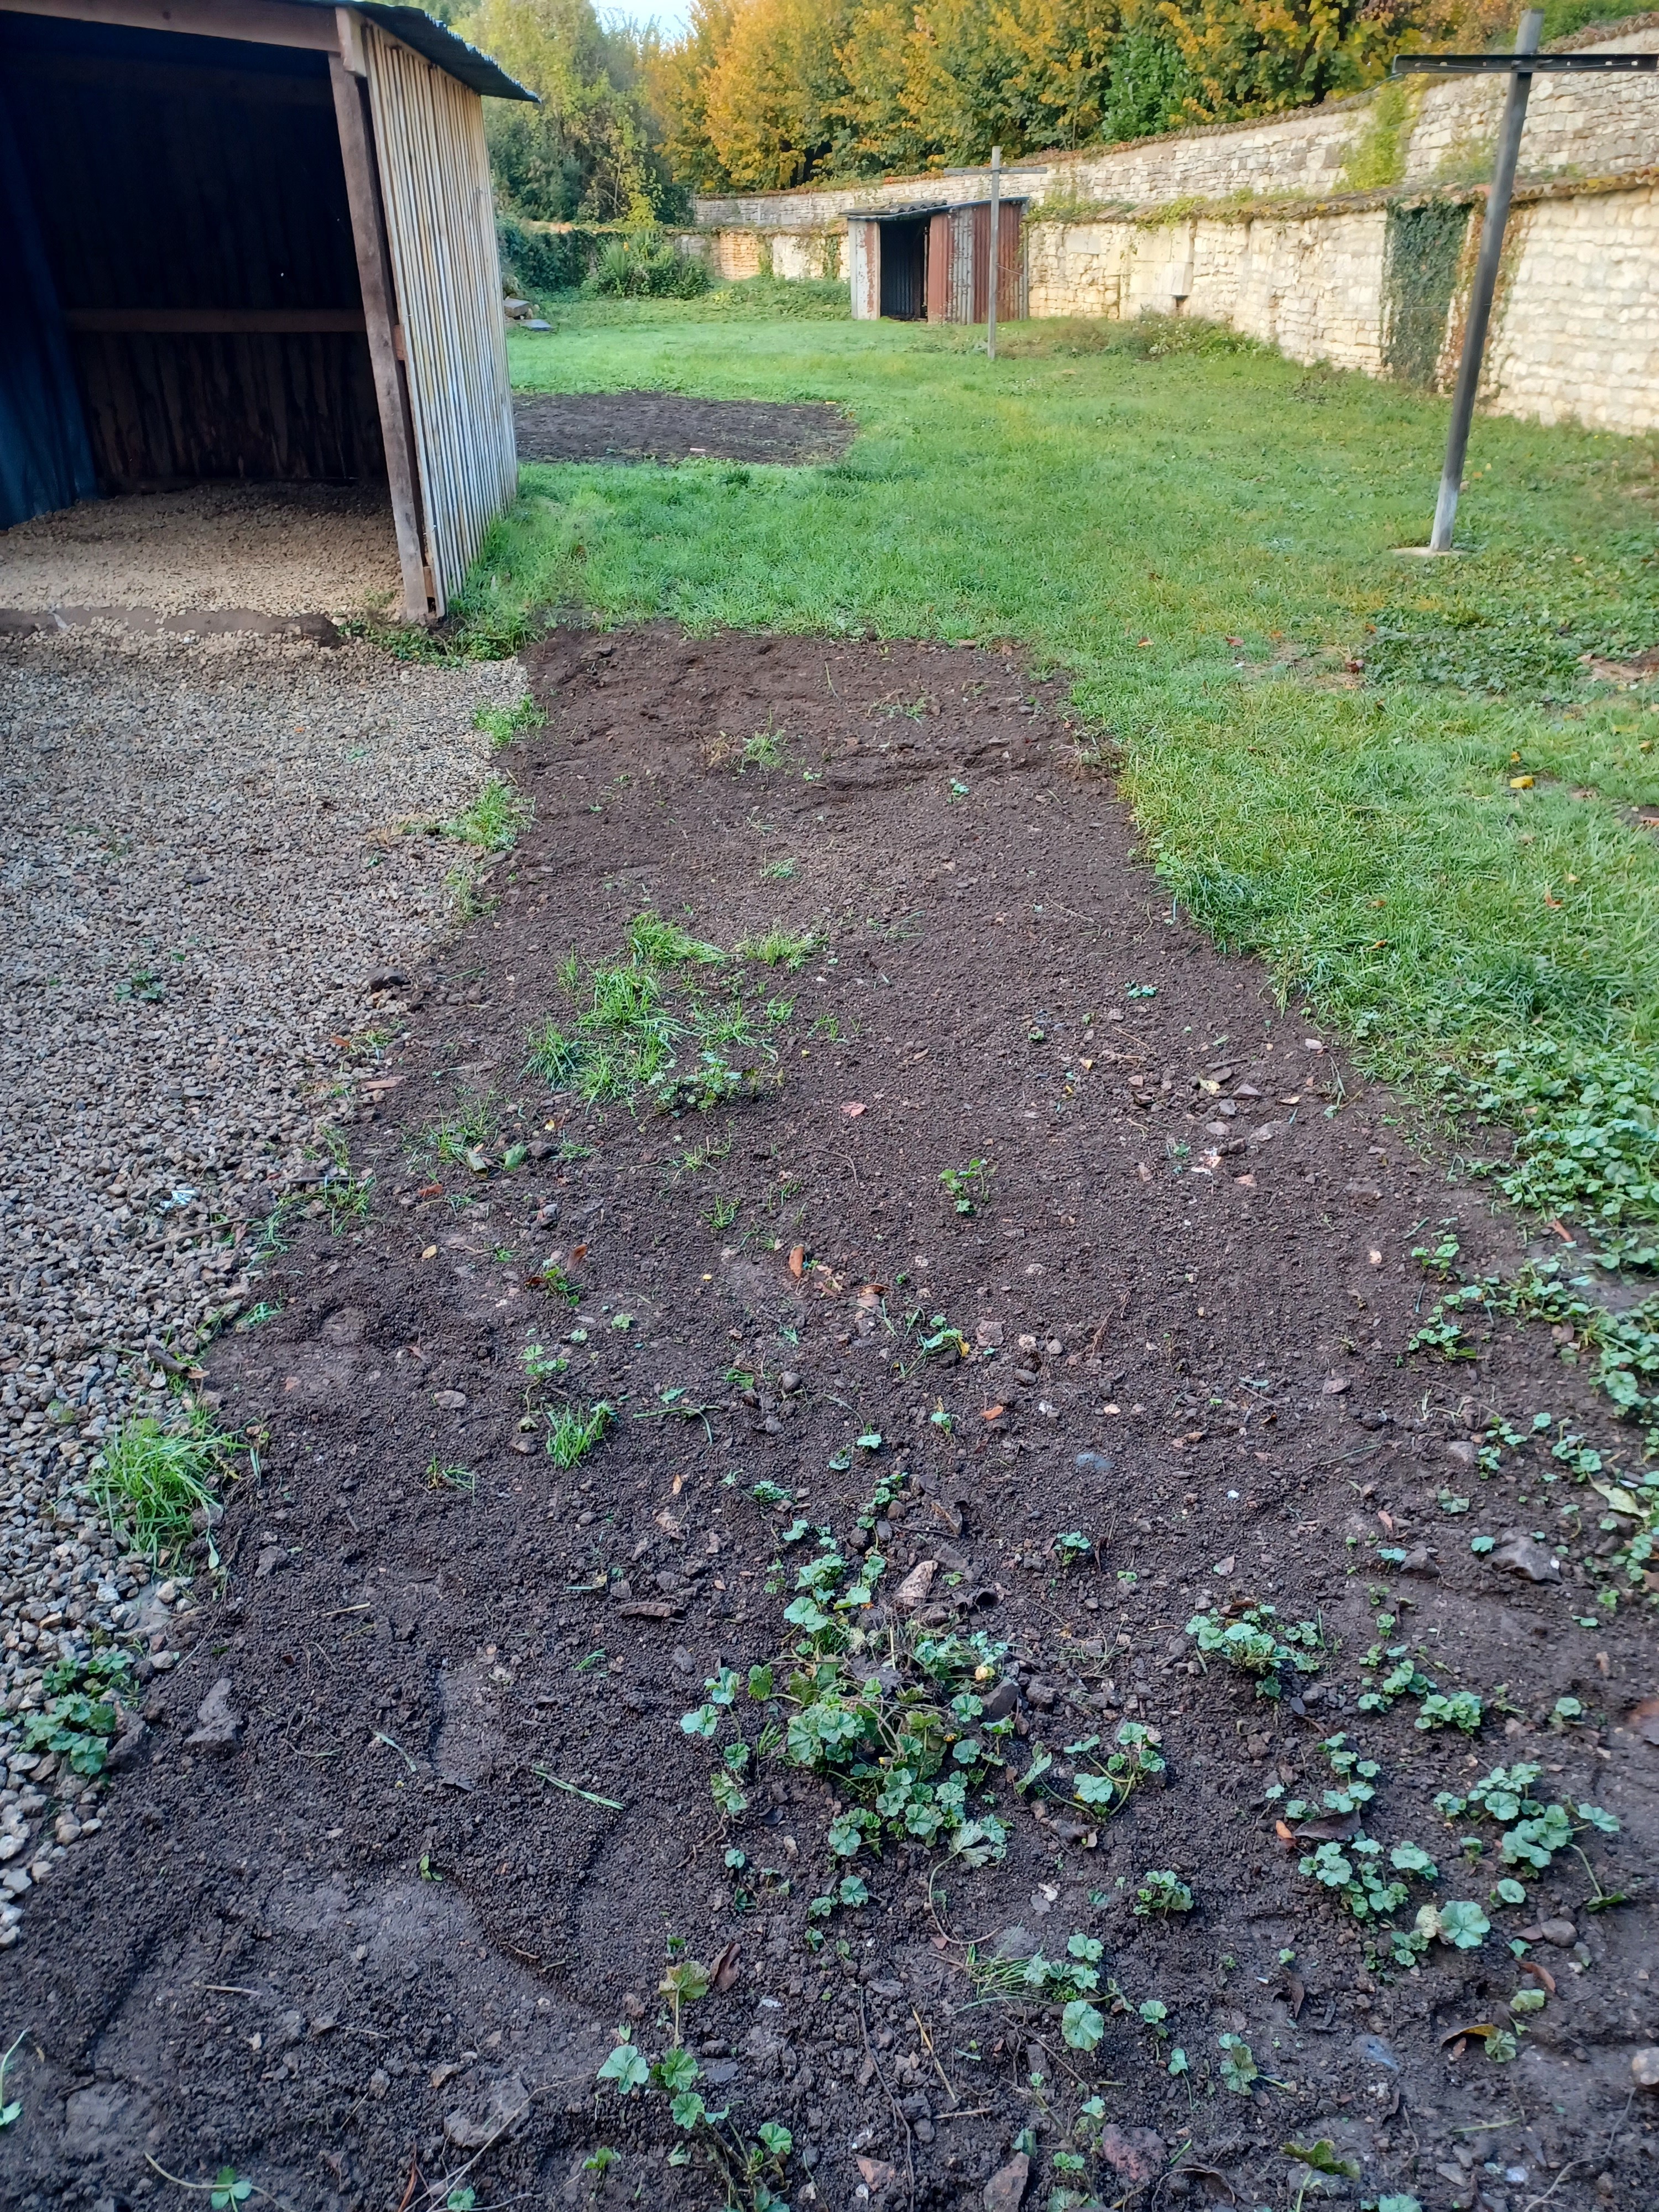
column 435, row 184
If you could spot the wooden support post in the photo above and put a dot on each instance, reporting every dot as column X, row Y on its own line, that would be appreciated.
column 994, row 273
column 380, row 321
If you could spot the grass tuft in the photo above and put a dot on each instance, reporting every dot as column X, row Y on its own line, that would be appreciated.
column 151, row 1481
column 571, row 1436
column 494, row 818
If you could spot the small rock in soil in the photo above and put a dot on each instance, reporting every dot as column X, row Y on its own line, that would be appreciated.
column 1522, row 1555
column 218, row 1729
column 1134, row 2155
column 1006, row 2186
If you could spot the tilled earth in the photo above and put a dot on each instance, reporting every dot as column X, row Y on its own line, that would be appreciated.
column 669, row 426
column 412, row 1827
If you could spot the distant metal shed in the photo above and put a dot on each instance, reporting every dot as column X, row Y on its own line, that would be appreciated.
column 932, row 261
column 253, row 239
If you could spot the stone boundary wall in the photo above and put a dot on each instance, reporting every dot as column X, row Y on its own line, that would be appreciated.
column 1576, row 329
column 1576, row 126
column 1260, row 225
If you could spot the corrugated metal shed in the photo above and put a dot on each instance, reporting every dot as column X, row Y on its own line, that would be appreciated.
column 932, row 259
column 258, row 240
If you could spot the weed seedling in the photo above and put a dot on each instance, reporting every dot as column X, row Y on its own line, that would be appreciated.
column 1239, row 2067
column 502, row 724
column 82, row 1715
column 1251, row 1638
column 966, row 1186
column 779, row 872
column 777, row 948
column 439, row 1477
column 1161, row 1893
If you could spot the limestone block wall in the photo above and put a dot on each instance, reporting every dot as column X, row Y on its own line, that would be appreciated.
column 1577, row 335
column 733, row 251
column 1583, row 126
column 1312, row 285
column 1266, row 231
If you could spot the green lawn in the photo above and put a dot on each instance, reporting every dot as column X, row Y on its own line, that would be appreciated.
column 1203, row 539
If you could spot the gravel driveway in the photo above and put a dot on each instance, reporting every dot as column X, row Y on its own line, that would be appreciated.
column 194, row 908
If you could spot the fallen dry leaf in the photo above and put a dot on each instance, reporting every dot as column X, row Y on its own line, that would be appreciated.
column 1644, row 1720
column 578, row 1254
column 877, row 2174
column 726, row 1967
column 1540, row 1973
column 853, row 1109
column 797, row 1259
column 1480, row 2028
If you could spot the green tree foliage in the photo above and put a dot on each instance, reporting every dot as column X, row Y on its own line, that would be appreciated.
column 592, row 149
column 762, row 94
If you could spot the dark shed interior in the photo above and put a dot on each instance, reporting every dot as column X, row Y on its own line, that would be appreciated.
column 184, row 302
column 904, row 269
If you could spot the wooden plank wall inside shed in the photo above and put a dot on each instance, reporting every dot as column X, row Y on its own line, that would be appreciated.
column 195, row 174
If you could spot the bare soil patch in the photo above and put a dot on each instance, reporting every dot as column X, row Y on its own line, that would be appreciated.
column 367, row 1928
column 663, row 426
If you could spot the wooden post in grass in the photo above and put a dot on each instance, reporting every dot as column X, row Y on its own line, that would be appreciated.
column 1485, row 283
column 995, row 256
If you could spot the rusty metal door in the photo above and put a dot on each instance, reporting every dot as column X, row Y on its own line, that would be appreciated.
column 938, row 268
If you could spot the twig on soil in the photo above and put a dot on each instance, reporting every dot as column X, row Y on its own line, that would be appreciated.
column 610, row 1804
column 447, row 2184
column 1618, row 2125
column 690, row 1858
column 413, row 2176
column 207, row 2188
column 904, row 2124
column 927, row 2045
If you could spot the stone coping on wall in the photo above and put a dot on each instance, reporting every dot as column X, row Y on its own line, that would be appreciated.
column 1161, row 214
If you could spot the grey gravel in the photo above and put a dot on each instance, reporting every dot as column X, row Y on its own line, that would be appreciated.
column 201, row 873
column 273, row 548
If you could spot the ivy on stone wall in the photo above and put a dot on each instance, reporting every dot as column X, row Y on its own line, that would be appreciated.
column 1424, row 245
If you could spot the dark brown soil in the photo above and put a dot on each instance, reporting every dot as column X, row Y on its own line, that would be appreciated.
column 374, row 1942
column 661, row 426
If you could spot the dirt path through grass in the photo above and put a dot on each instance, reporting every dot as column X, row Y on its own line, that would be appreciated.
column 990, row 1282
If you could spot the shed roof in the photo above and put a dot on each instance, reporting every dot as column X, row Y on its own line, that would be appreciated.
column 439, row 44
column 910, row 211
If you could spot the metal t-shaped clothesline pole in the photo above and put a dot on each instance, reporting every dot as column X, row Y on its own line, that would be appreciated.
column 1520, row 67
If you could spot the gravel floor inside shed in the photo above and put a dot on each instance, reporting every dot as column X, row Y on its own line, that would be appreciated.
column 270, row 549
column 201, row 885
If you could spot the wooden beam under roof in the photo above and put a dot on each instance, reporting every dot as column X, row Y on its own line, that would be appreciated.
column 259, row 22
